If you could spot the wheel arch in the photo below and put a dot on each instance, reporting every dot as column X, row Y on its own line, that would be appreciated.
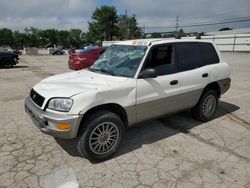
column 213, row 86
column 112, row 107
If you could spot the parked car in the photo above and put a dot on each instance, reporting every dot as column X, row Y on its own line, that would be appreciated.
column 131, row 82
column 8, row 59
column 8, row 48
column 85, row 58
column 58, row 51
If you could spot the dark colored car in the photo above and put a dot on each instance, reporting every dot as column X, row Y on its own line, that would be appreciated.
column 85, row 58
column 58, row 51
column 8, row 59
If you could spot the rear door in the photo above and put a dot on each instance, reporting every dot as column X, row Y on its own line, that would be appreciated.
column 193, row 78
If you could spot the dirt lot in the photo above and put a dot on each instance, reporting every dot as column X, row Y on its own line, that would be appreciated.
column 173, row 152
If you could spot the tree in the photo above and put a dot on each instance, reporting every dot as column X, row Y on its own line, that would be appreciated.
column 32, row 36
column 63, row 38
column 75, row 37
column 182, row 33
column 6, row 37
column 128, row 27
column 19, row 39
column 103, row 25
column 155, row 35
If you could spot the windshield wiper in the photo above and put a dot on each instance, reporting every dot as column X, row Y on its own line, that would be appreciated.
column 103, row 71
column 108, row 72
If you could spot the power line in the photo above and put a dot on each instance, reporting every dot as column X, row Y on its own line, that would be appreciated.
column 204, row 24
column 217, row 23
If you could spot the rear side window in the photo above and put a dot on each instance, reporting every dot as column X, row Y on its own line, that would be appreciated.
column 185, row 57
column 87, row 50
column 209, row 54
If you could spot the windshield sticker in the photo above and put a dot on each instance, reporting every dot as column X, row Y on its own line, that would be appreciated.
column 134, row 42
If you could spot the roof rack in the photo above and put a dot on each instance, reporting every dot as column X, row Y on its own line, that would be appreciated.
column 177, row 36
column 198, row 36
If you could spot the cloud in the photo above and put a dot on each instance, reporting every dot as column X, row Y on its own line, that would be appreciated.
column 61, row 14
column 67, row 14
column 45, row 23
column 164, row 12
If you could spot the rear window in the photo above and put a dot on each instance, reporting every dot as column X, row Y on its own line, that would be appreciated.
column 209, row 54
column 87, row 50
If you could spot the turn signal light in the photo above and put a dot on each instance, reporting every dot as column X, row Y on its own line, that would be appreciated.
column 63, row 126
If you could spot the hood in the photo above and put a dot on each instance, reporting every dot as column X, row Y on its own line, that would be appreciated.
column 73, row 83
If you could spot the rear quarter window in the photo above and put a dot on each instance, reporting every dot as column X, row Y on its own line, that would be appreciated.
column 209, row 54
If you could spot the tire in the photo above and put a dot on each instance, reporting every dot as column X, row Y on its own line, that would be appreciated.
column 8, row 63
column 206, row 107
column 94, row 143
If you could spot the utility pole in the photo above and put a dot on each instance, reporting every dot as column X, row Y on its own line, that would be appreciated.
column 127, row 29
column 177, row 23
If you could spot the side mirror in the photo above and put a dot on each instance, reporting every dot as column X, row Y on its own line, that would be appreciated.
column 148, row 73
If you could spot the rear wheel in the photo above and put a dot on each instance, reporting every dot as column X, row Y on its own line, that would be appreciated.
column 206, row 107
column 102, row 136
column 8, row 63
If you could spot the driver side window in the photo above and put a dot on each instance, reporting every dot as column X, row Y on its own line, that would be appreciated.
column 161, row 58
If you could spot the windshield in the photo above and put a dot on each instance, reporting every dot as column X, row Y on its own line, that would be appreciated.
column 120, row 60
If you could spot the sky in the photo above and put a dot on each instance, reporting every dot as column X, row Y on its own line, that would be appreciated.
column 154, row 15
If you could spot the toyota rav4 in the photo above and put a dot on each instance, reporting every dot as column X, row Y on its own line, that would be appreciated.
column 131, row 82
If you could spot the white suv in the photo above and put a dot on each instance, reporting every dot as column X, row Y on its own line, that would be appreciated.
column 131, row 82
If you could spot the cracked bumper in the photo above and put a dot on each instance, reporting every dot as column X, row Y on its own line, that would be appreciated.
column 47, row 121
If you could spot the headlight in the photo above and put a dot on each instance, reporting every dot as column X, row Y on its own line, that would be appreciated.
column 60, row 104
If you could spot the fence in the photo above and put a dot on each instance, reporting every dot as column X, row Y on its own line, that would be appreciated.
column 230, row 43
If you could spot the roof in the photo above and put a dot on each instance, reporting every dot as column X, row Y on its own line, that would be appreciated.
column 148, row 42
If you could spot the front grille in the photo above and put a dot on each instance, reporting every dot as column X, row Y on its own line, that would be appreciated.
column 36, row 98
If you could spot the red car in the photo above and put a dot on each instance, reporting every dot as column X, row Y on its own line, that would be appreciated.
column 85, row 58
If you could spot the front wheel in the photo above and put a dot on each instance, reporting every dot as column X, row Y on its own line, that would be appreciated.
column 206, row 108
column 102, row 136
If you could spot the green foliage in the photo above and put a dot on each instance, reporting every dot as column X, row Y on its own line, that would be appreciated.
column 103, row 25
column 107, row 25
column 156, row 35
column 127, row 27
column 182, row 33
column 33, row 37
column 6, row 37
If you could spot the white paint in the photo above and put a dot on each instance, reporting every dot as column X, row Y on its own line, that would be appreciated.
column 63, row 178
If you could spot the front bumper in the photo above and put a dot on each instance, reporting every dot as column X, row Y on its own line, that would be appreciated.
column 47, row 121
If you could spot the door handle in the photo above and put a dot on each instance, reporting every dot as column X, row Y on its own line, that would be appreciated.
column 174, row 82
column 204, row 75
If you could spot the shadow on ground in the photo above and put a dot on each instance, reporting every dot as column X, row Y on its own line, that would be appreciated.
column 154, row 130
column 16, row 67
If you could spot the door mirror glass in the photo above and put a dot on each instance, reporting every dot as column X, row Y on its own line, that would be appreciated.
column 148, row 73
